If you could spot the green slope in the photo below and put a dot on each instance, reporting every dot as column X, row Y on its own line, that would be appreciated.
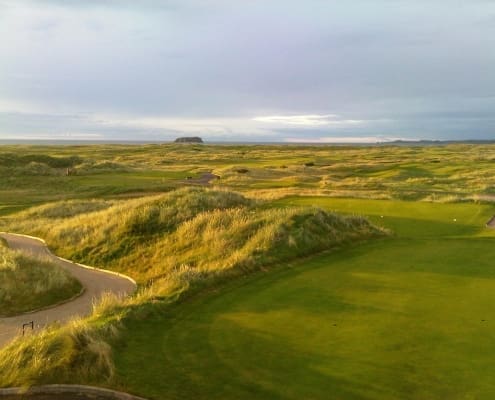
column 408, row 317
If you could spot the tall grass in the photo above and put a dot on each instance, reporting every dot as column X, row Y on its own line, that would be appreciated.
column 28, row 283
column 398, row 172
column 65, row 209
column 173, row 244
column 101, row 237
column 78, row 352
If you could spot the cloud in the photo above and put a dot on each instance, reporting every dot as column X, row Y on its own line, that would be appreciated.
column 233, row 69
column 307, row 120
column 51, row 136
column 347, row 139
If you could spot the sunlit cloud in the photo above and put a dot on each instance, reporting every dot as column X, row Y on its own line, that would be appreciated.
column 307, row 120
column 348, row 139
column 141, row 70
column 198, row 126
column 55, row 136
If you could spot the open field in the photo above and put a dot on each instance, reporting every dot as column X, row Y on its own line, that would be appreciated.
column 33, row 175
column 251, row 290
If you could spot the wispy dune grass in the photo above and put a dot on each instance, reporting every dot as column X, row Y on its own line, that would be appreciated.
column 173, row 245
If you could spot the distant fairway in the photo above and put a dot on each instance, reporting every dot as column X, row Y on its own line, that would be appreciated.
column 401, row 316
column 407, row 317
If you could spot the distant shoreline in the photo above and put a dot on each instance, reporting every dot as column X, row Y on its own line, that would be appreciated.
column 240, row 143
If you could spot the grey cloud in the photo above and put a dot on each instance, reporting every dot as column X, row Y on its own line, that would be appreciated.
column 425, row 65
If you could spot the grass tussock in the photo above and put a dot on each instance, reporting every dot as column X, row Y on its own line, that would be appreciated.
column 78, row 352
column 29, row 283
column 35, row 164
column 65, row 209
column 241, row 239
column 188, row 229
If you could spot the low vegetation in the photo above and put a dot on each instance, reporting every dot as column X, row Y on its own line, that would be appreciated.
column 34, row 175
column 406, row 316
column 29, row 283
column 174, row 244
column 189, row 229
column 76, row 352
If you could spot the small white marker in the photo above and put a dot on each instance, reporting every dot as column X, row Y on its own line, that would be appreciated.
column 455, row 219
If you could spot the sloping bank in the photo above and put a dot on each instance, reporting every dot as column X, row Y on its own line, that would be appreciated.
column 174, row 245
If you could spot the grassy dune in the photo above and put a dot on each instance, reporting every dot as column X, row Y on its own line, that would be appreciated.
column 30, row 283
column 175, row 244
column 187, row 231
column 75, row 352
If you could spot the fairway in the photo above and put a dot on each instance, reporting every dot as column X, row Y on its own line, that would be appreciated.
column 406, row 317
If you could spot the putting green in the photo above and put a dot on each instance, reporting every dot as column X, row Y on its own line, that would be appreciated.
column 408, row 317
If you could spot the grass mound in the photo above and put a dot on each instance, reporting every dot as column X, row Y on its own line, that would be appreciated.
column 193, row 229
column 13, row 159
column 35, row 164
column 103, row 237
column 75, row 353
column 175, row 243
column 238, row 240
column 30, row 283
column 66, row 209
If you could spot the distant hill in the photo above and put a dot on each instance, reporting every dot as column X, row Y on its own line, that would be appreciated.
column 194, row 139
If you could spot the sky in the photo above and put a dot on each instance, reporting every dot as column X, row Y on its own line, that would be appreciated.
column 247, row 70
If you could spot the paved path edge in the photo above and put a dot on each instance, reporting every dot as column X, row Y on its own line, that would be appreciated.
column 68, row 389
column 26, row 313
column 70, row 261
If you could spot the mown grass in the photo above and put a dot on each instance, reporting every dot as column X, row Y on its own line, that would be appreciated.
column 29, row 283
column 406, row 317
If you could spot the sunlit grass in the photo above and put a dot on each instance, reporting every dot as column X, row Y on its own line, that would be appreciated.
column 175, row 245
column 390, row 319
column 29, row 283
column 37, row 174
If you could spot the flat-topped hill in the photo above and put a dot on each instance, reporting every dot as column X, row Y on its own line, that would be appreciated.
column 192, row 139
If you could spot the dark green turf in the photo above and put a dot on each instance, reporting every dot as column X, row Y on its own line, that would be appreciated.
column 409, row 317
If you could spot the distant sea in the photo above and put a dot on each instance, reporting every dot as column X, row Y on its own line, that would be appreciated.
column 227, row 143
column 141, row 142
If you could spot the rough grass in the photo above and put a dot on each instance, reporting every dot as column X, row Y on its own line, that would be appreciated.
column 32, row 175
column 77, row 352
column 191, row 229
column 65, row 209
column 389, row 302
column 29, row 283
column 199, row 237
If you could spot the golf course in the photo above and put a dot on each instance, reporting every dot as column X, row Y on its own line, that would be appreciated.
column 247, row 200
column 248, row 289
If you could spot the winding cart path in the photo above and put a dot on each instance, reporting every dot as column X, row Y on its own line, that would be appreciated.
column 96, row 282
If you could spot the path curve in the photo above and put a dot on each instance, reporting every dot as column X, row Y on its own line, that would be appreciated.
column 95, row 281
column 203, row 180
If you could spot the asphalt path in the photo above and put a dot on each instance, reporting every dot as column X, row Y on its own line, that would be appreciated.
column 96, row 282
